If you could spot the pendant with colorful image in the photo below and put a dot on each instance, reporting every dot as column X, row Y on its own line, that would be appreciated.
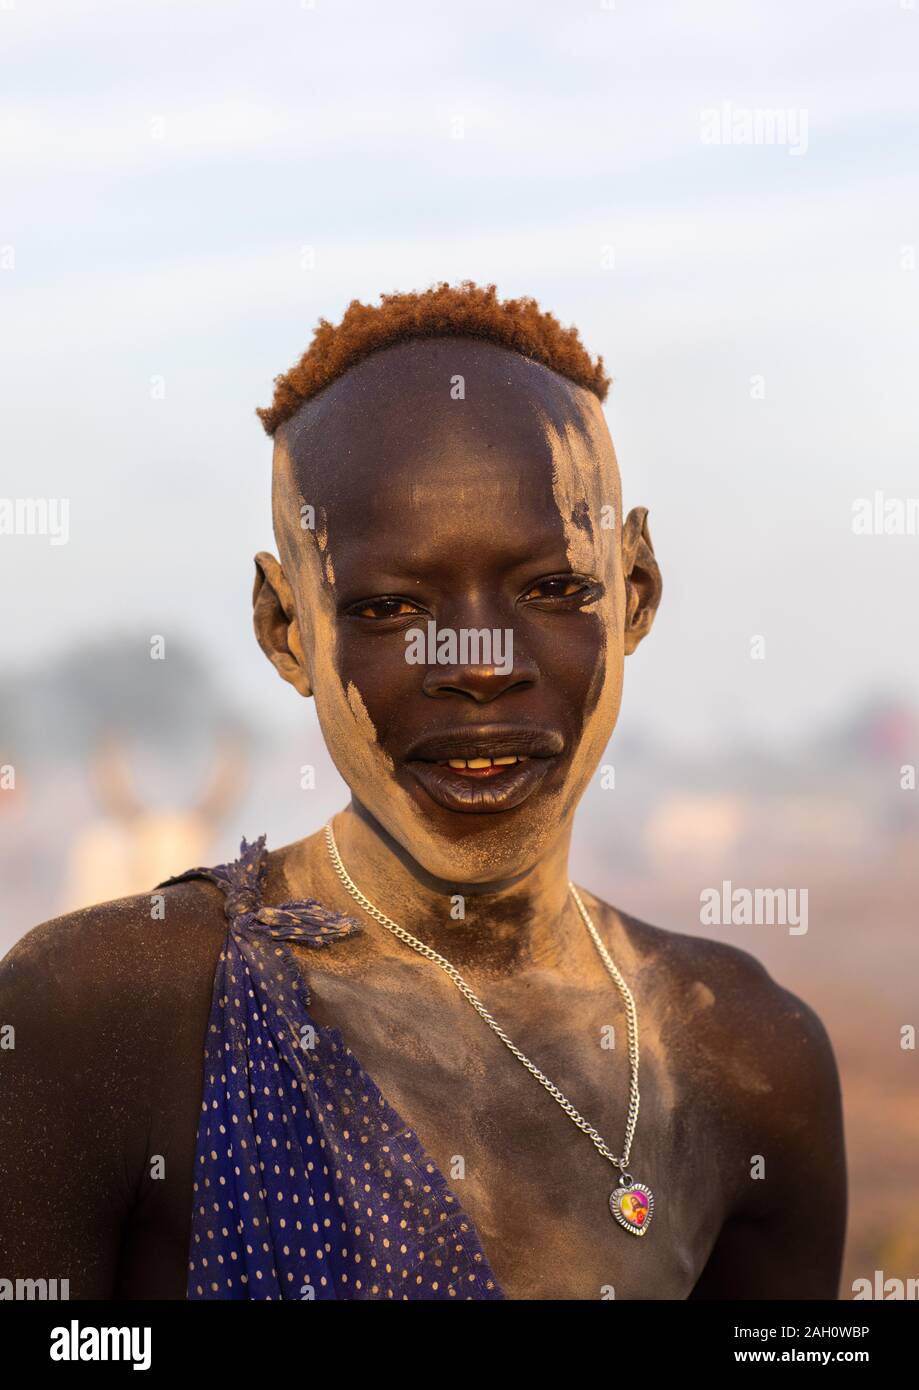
column 632, row 1204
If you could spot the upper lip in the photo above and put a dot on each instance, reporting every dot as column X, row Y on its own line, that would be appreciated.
column 487, row 741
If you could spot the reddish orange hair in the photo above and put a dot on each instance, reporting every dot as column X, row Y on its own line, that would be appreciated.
column 444, row 310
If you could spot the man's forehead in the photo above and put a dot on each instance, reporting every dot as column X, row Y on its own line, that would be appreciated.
column 460, row 404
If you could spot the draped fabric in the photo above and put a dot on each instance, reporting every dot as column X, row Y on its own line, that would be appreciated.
column 308, row 1185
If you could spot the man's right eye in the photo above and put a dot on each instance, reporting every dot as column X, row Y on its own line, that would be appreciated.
column 384, row 608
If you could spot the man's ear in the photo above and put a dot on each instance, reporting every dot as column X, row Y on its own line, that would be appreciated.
column 643, row 582
column 274, row 617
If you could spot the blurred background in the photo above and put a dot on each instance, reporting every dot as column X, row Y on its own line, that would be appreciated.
column 188, row 186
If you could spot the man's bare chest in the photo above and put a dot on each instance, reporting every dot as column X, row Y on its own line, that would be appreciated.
column 532, row 1182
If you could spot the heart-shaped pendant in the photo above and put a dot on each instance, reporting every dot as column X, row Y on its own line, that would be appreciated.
column 632, row 1204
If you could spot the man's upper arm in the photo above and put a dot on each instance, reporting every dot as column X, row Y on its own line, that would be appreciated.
column 785, row 1237
column 64, row 1188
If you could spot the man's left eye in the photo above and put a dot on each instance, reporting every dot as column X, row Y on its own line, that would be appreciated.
column 558, row 587
column 384, row 608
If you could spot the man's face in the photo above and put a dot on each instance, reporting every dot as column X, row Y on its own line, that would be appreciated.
column 492, row 506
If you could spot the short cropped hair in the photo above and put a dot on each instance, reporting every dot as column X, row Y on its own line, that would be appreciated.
column 443, row 311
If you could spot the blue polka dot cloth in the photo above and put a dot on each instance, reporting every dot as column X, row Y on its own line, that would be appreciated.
column 308, row 1185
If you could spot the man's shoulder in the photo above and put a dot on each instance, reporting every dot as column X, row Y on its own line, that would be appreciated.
column 105, row 1014
column 724, row 1013
column 136, row 953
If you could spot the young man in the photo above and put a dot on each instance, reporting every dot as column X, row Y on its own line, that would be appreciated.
column 425, row 1107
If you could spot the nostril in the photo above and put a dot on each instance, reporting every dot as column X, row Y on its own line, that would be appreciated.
column 481, row 692
column 479, row 683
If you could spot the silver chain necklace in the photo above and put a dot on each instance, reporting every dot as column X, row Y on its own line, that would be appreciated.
column 632, row 1203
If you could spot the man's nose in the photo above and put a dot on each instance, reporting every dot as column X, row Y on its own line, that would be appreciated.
column 481, row 681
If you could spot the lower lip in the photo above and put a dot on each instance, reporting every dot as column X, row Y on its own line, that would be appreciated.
column 500, row 790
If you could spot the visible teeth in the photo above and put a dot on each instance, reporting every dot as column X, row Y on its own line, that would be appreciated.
column 460, row 763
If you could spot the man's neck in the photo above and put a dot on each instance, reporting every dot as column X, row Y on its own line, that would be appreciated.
column 501, row 928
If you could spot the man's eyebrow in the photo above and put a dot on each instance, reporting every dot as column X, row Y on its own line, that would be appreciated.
column 548, row 552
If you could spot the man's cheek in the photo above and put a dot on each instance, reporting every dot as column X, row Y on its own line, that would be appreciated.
column 350, row 733
column 359, row 705
column 577, row 667
column 382, row 674
column 599, row 664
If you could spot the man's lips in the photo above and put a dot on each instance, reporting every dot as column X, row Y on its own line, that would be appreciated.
column 487, row 786
column 486, row 741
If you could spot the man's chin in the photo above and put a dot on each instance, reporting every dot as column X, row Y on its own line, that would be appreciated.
column 457, row 847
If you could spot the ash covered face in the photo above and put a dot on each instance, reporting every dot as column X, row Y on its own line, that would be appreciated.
column 449, row 500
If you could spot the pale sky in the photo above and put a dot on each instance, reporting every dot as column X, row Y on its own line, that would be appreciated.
column 165, row 165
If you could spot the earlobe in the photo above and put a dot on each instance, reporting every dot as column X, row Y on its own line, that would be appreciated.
column 643, row 584
column 274, row 617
